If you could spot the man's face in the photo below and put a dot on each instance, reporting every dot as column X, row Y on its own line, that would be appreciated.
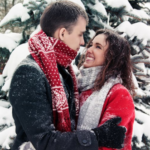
column 75, row 39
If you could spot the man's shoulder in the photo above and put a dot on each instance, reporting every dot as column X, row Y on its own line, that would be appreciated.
column 28, row 72
column 29, row 65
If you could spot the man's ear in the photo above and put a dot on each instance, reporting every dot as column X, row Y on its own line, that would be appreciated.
column 62, row 33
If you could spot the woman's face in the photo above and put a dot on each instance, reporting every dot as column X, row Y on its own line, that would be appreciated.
column 95, row 55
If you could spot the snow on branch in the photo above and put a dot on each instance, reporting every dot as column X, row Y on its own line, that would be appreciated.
column 139, row 14
column 99, row 7
column 16, row 12
column 117, row 4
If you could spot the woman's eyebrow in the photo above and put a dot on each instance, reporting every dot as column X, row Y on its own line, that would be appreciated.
column 99, row 44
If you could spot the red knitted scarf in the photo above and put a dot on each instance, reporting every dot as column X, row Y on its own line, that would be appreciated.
column 48, row 52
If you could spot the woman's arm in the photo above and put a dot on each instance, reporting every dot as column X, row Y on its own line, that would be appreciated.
column 119, row 103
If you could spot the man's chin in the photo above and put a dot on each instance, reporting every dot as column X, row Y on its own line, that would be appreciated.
column 77, row 49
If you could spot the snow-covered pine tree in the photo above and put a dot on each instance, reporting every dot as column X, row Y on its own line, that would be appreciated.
column 25, row 16
column 128, row 18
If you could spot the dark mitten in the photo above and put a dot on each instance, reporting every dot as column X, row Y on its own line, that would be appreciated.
column 110, row 134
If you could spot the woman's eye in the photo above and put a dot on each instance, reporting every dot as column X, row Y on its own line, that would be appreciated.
column 98, row 47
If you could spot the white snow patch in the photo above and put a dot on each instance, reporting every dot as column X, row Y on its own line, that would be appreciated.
column 6, row 85
column 119, row 3
column 82, row 50
column 36, row 31
column 98, row 7
column 79, row 2
column 6, row 135
column 1, row 80
column 125, row 27
column 144, row 31
column 135, row 81
column 20, row 53
column 7, row 42
column 125, row 18
column 75, row 68
column 6, row 116
column 138, row 132
column 147, row 87
column 17, row 37
column 145, row 4
column 16, row 12
column 140, row 93
column 4, row 104
column 132, row 30
column 26, row 2
column 140, row 129
column 140, row 14
column 92, row 33
column 140, row 105
column 3, row 111
column 142, row 67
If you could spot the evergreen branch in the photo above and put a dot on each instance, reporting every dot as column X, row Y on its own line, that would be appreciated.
column 144, row 54
column 145, row 61
column 141, row 110
column 147, row 48
column 138, row 68
column 133, row 17
column 140, row 74
column 146, row 8
column 134, row 58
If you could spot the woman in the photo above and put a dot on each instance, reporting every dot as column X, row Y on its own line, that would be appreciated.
column 105, row 83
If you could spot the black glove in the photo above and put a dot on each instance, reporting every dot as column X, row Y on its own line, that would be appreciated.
column 110, row 134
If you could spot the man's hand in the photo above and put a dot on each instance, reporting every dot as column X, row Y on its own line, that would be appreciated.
column 110, row 134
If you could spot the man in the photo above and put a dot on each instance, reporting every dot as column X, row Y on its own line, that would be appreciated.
column 43, row 92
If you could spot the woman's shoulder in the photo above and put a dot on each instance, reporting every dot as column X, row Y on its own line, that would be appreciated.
column 120, row 97
column 118, row 91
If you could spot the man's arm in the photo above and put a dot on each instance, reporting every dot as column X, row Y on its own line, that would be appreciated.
column 33, row 110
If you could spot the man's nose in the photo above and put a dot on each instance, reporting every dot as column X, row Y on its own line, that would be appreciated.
column 82, row 41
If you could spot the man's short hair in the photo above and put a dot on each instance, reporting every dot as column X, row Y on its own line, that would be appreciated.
column 61, row 14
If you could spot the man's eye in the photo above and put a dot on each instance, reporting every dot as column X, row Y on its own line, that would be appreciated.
column 81, row 35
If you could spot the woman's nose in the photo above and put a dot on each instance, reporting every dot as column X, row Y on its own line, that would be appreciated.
column 90, row 49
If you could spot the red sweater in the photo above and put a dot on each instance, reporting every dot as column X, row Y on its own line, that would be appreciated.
column 118, row 103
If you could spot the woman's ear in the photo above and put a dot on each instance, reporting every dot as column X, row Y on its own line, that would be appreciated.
column 62, row 33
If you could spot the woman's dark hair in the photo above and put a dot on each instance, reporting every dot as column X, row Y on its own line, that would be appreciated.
column 61, row 14
column 117, row 61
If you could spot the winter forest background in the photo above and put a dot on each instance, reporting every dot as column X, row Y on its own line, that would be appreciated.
column 19, row 20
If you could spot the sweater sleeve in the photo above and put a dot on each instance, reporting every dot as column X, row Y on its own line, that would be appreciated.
column 119, row 103
column 32, row 110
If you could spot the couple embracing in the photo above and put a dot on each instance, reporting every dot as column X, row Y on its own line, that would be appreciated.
column 52, row 108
